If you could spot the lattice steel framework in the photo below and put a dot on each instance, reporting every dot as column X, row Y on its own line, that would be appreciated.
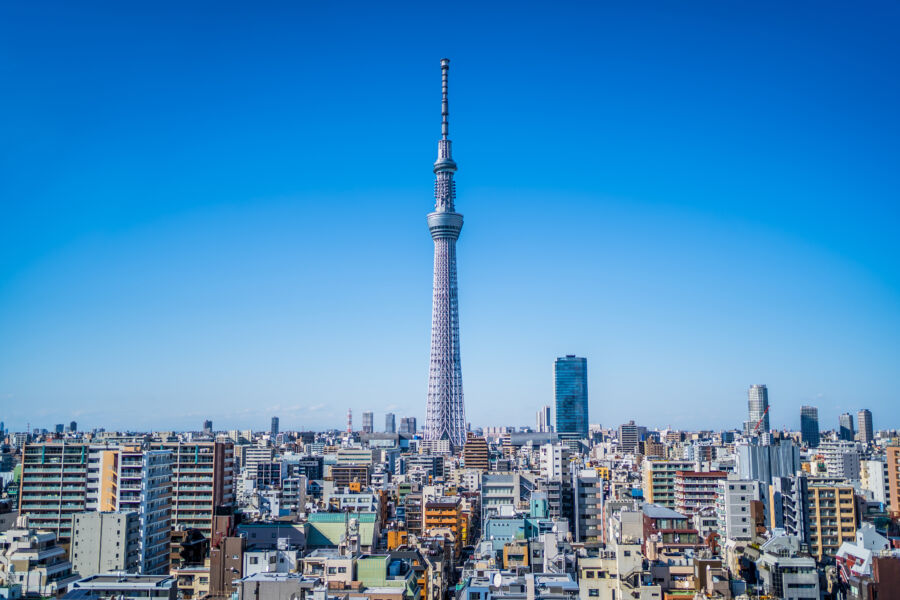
column 445, row 420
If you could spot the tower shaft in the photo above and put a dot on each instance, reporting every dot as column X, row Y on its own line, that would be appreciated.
column 445, row 421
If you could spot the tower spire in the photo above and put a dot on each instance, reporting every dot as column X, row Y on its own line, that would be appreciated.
column 445, row 109
column 444, row 166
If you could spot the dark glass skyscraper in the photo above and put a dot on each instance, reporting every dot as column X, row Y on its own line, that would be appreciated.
column 274, row 428
column 408, row 425
column 809, row 425
column 570, row 377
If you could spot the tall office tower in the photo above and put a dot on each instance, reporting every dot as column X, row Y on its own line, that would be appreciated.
column 60, row 428
column 544, row 419
column 202, row 480
column 864, row 423
column 845, row 428
column 390, row 423
column 758, row 404
column 368, row 425
column 629, row 436
column 274, row 429
column 73, row 426
column 809, row 425
column 207, row 426
column 408, row 425
column 445, row 418
column 570, row 382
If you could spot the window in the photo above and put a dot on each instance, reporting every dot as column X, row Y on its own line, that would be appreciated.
column 254, row 560
column 594, row 593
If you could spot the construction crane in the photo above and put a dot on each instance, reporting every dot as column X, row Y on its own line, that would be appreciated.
column 761, row 419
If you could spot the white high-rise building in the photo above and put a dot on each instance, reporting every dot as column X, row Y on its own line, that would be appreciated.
column 875, row 478
column 758, row 406
column 842, row 459
column 145, row 487
column 630, row 436
column 555, row 461
column 544, row 420
column 733, row 508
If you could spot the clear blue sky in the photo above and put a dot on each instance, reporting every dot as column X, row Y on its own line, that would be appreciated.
column 214, row 210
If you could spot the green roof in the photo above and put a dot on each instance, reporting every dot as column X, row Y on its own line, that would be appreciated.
column 323, row 517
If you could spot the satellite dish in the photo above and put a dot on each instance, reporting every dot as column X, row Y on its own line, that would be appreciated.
column 497, row 580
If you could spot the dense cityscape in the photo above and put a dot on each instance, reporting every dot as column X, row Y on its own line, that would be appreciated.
column 559, row 509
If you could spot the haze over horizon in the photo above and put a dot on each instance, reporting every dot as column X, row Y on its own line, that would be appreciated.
column 219, row 211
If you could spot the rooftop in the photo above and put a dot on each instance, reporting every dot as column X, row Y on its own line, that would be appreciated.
column 124, row 581
column 655, row 511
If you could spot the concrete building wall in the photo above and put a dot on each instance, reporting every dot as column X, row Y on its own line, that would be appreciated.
column 105, row 541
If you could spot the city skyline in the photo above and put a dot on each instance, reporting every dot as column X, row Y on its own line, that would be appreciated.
column 677, row 297
column 199, row 236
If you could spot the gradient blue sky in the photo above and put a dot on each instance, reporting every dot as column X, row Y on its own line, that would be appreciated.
column 216, row 210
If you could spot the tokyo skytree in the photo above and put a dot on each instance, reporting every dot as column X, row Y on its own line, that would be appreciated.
column 445, row 419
